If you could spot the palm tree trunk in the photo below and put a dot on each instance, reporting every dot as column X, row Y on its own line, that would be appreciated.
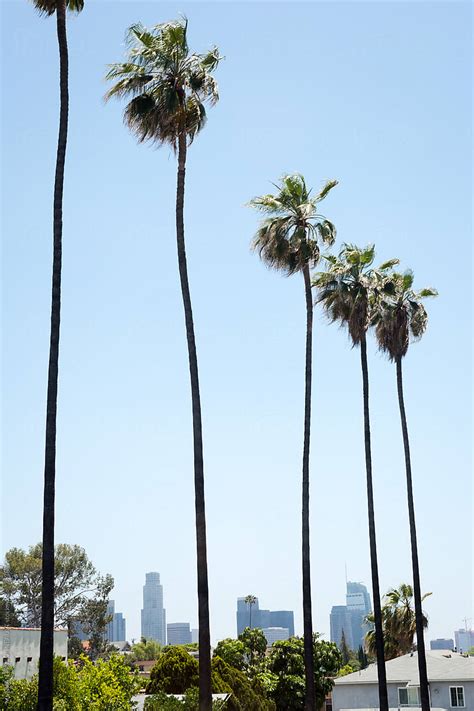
column 379, row 641
column 310, row 695
column 45, row 681
column 420, row 640
column 250, row 615
column 205, row 692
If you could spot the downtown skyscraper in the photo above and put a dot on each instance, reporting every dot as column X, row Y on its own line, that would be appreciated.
column 153, row 613
column 350, row 618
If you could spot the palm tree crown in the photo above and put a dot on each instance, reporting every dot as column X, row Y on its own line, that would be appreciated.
column 401, row 316
column 48, row 7
column 168, row 86
column 288, row 239
column 351, row 287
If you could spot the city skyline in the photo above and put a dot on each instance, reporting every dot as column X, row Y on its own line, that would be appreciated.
column 349, row 619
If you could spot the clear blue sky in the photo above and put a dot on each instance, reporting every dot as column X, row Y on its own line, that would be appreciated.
column 376, row 95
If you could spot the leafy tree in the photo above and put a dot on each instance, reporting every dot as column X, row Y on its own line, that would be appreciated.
column 95, row 619
column 45, row 689
column 246, row 695
column 168, row 87
column 362, row 657
column 345, row 651
column 8, row 615
column 175, row 671
column 399, row 622
column 250, row 600
column 75, row 581
column 255, row 646
column 285, row 677
column 399, row 318
column 146, row 649
column 345, row 670
column 232, row 651
column 348, row 291
column 289, row 240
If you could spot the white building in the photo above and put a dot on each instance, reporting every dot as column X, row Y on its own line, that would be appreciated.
column 275, row 634
column 450, row 677
column 20, row 648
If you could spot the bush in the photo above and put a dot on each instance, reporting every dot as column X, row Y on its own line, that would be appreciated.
column 162, row 702
column 175, row 672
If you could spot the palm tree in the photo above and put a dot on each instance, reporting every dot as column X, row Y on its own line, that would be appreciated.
column 399, row 623
column 45, row 682
column 402, row 316
column 348, row 291
column 250, row 600
column 168, row 87
column 289, row 240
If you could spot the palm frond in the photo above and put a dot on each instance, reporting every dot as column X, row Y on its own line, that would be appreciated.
column 48, row 7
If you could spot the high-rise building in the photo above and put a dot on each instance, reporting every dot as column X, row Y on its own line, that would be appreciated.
column 464, row 640
column 351, row 616
column 253, row 616
column 195, row 635
column 116, row 628
column 275, row 634
column 153, row 614
column 441, row 643
column 178, row 633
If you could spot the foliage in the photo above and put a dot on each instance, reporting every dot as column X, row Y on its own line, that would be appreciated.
column 232, row 651
column 346, row 669
column 398, row 620
column 401, row 316
column 76, row 580
column 362, row 658
column 285, row 680
column 345, row 651
column 48, row 7
column 175, row 672
column 146, row 650
column 167, row 85
column 190, row 702
column 8, row 615
column 255, row 646
column 103, row 686
column 246, row 695
column 351, row 288
column 94, row 618
column 289, row 237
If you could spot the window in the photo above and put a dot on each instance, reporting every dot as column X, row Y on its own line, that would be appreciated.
column 5, row 660
column 29, row 659
column 17, row 659
column 409, row 696
column 457, row 696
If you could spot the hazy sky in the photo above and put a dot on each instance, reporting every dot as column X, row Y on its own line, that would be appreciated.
column 376, row 95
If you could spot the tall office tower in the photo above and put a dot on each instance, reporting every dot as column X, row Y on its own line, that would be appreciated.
column 153, row 613
column 262, row 619
column 464, row 640
column 116, row 628
column 178, row 633
column 441, row 643
column 359, row 606
column 341, row 621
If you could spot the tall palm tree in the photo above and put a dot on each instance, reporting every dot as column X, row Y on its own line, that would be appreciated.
column 347, row 292
column 250, row 600
column 168, row 86
column 45, row 682
column 399, row 623
column 289, row 240
column 400, row 317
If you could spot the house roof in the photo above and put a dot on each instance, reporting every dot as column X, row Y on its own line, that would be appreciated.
column 442, row 665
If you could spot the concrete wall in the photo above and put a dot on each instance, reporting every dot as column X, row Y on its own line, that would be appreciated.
column 365, row 696
column 20, row 649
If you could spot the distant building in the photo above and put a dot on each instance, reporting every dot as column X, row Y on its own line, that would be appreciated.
column 275, row 634
column 464, row 640
column 441, row 643
column 20, row 649
column 195, row 635
column 179, row 633
column 116, row 628
column 262, row 619
column 351, row 616
column 153, row 616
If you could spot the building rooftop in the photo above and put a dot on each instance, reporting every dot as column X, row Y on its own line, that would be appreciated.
column 442, row 665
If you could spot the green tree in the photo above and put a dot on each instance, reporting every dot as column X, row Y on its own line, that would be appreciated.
column 75, row 582
column 94, row 619
column 401, row 317
column 175, row 671
column 168, row 87
column 146, row 649
column 255, row 646
column 8, row 614
column 347, row 291
column 399, row 622
column 250, row 600
column 45, row 687
column 345, row 651
column 232, row 651
column 362, row 658
column 289, row 241
column 285, row 677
